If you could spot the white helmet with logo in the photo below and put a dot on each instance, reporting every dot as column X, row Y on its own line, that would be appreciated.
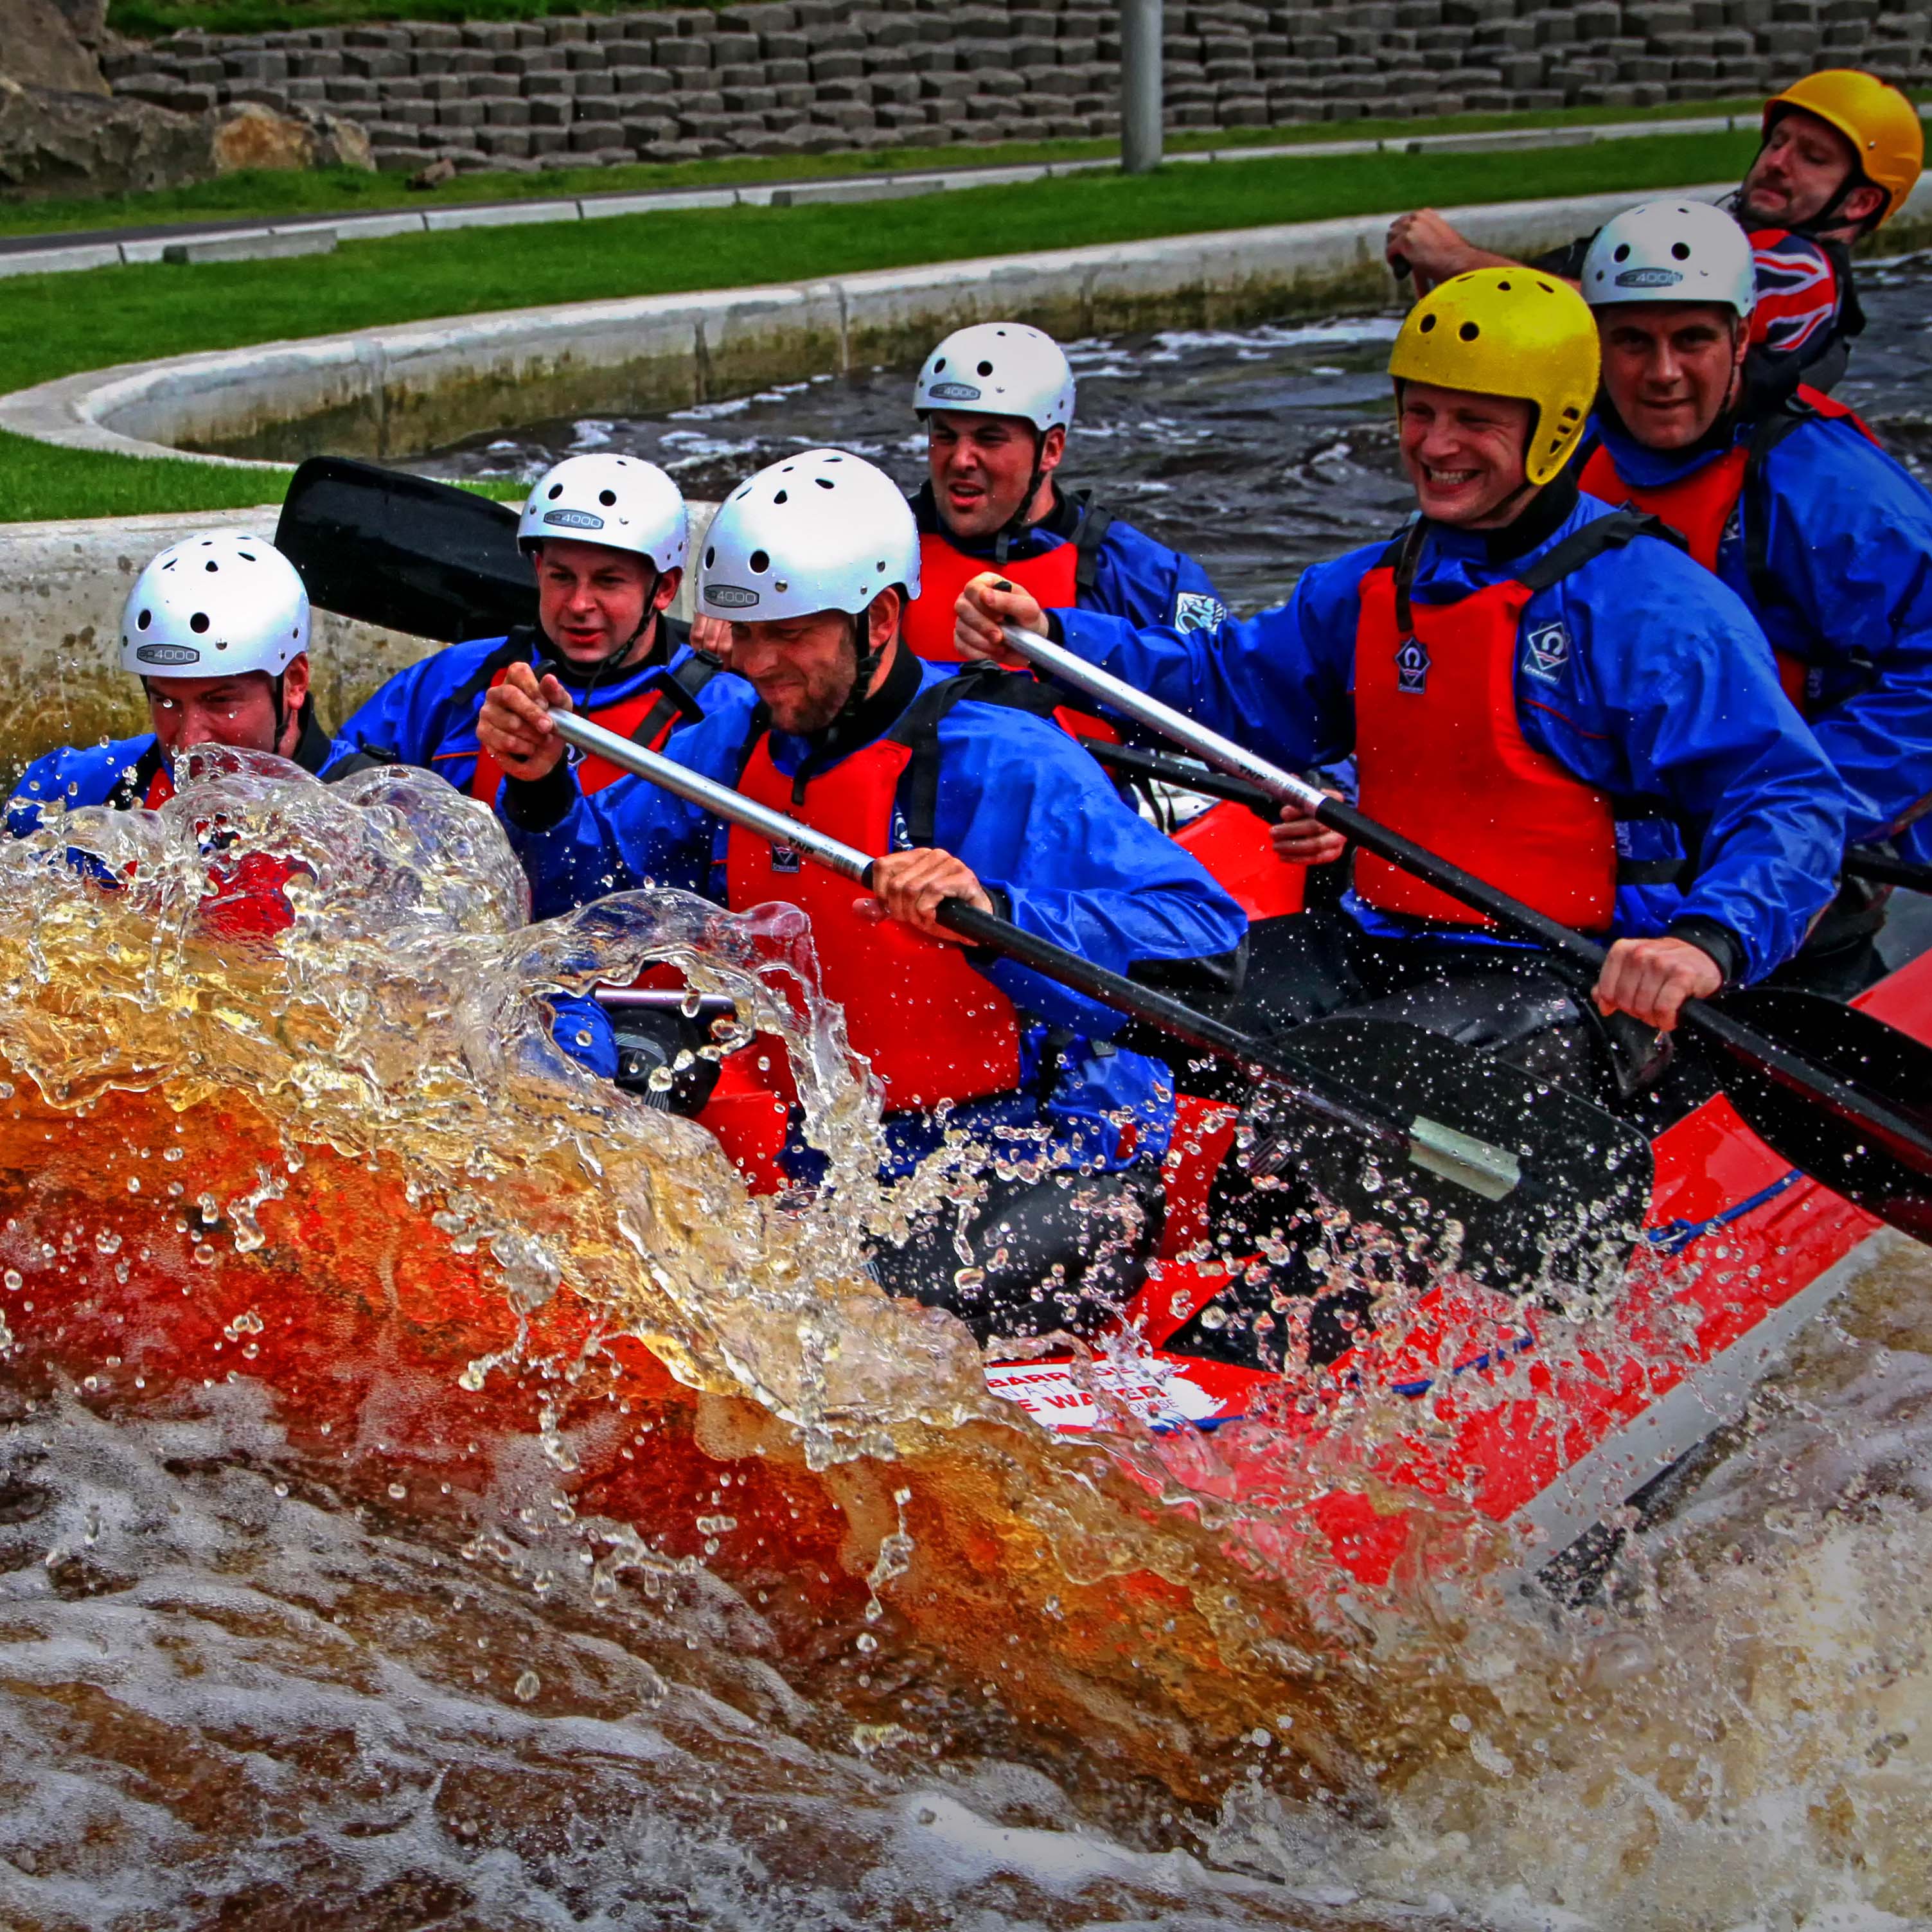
column 999, row 369
column 212, row 606
column 821, row 531
column 621, row 502
column 1672, row 251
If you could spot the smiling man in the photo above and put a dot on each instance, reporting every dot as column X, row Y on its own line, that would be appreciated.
column 1825, row 537
column 1521, row 676
column 1841, row 151
column 606, row 538
column 813, row 561
column 996, row 401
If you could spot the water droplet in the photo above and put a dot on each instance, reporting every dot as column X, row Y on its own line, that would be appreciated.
column 396, row 1493
column 528, row 1685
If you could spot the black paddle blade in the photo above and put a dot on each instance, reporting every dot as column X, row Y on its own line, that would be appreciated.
column 1569, row 1223
column 1887, row 1173
column 402, row 551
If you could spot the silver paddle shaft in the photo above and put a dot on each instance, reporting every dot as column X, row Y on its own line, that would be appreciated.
column 1223, row 753
column 722, row 800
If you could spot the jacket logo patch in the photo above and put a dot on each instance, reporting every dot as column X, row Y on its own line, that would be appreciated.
column 730, row 596
column 785, row 858
column 1196, row 610
column 1649, row 278
column 954, row 392
column 1546, row 650
column 168, row 654
column 1411, row 665
column 573, row 519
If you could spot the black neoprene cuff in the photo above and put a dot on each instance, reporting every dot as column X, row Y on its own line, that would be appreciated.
column 537, row 805
column 1708, row 935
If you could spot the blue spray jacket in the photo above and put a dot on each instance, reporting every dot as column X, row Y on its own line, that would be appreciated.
column 118, row 774
column 426, row 715
column 1134, row 576
column 1039, row 825
column 1649, row 680
column 1841, row 535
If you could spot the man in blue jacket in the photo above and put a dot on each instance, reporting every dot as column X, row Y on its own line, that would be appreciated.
column 216, row 629
column 1825, row 537
column 1525, row 680
column 996, row 401
column 962, row 796
column 606, row 536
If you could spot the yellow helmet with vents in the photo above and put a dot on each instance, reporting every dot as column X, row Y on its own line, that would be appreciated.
column 1883, row 126
column 1513, row 332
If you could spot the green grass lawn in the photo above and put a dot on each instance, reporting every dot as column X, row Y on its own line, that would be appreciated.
column 269, row 196
column 53, row 324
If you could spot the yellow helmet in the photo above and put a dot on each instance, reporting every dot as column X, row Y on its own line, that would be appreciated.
column 1882, row 125
column 1509, row 332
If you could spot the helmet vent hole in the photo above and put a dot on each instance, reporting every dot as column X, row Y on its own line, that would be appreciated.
column 783, row 496
column 1468, row 331
column 939, row 365
column 1427, row 322
column 824, row 482
column 198, row 623
column 555, row 491
column 1502, row 288
column 1621, row 253
column 710, row 556
column 760, row 563
column 211, row 566
column 1570, row 414
column 221, row 644
column 985, row 368
column 141, row 622
column 244, row 556
column 1681, row 251
column 607, row 497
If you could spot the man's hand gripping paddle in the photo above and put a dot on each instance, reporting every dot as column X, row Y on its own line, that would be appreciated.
column 1514, row 1196
column 1838, row 1094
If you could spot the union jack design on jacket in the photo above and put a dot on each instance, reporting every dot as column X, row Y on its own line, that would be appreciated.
column 1799, row 293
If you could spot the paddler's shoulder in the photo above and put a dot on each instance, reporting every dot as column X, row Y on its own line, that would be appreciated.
column 76, row 776
column 1828, row 473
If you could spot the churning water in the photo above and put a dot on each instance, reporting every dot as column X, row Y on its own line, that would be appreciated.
column 432, row 1494
column 1259, row 451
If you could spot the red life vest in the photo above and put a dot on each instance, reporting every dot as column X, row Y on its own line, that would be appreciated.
column 1441, row 754
column 244, row 898
column 933, row 1027
column 1052, row 577
column 647, row 717
column 1698, row 507
column 160, row 788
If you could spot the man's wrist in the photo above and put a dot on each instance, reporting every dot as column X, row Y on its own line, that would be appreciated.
column 1723, row 947
column 540, row 804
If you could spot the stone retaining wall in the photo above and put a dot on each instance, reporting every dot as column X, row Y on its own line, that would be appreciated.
column 810, row 76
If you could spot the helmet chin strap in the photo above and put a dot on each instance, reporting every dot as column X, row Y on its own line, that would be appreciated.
column 1020, row 521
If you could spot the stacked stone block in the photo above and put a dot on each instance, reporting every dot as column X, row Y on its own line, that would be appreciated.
column 814, row 76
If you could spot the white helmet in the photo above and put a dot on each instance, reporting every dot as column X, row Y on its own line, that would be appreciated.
column 999, row 369
column 621, row 502
column 821, row 531
column 1672, row 251
column 213, row 605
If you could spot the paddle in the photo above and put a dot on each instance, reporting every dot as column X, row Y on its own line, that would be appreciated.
column 402, row 551
column 1515, row 1201
column 1883, row 869
column 1852, row 1106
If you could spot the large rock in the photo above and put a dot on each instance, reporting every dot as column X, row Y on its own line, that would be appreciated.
column 80, row 143
column 41, row 46
column 251, row 136
column 66, row 143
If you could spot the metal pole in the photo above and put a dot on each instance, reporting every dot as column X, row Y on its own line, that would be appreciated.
column 1140, row 86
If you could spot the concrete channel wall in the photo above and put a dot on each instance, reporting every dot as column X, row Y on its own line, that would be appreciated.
column 391, row 393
